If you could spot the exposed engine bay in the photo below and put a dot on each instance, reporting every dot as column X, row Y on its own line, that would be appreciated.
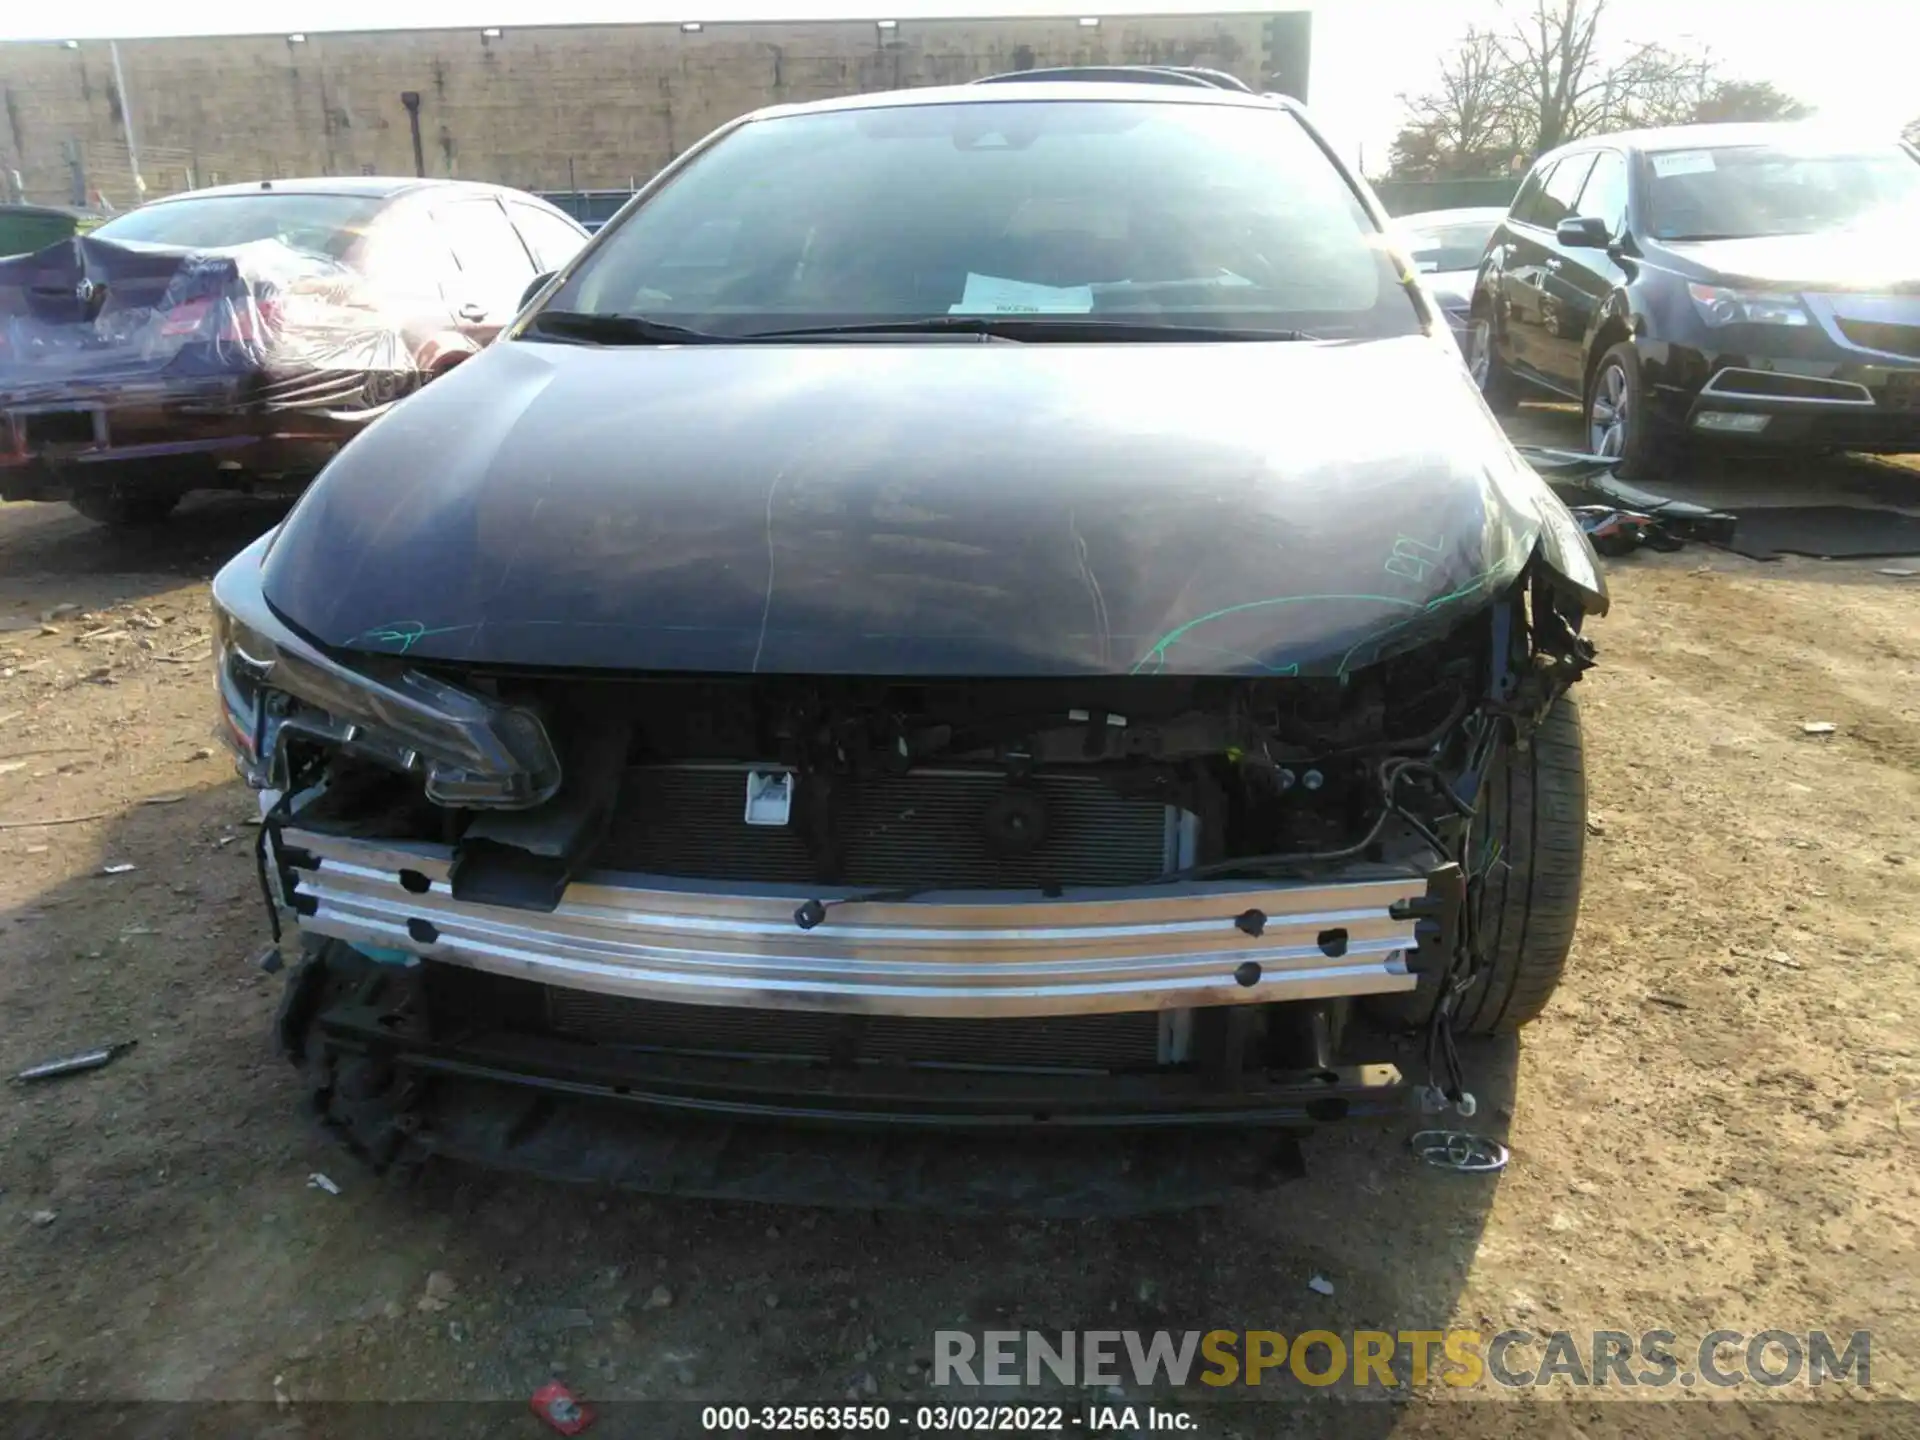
column 933, row 786
column 1071, row 902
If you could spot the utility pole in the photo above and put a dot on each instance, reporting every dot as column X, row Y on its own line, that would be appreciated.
column 411, row 100
column 126, row 122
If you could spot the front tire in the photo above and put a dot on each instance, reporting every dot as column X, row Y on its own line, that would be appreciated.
column 1534, row 809
column 1620, row 423
column 1498, row 386
column 126, row 507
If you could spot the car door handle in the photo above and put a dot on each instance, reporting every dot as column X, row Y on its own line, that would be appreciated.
column 472, row 311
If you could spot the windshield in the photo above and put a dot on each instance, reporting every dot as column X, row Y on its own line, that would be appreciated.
column 1457, row 246
column 1752, row 190
column 1158, row 213
column 317, row 224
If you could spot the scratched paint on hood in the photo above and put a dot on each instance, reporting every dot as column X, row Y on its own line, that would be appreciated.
column 931, row 508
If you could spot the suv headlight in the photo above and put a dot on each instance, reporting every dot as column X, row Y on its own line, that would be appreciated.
column 471, row 750
column 1720, row 306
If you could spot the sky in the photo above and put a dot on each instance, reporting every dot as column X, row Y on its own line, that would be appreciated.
column 1854, row 59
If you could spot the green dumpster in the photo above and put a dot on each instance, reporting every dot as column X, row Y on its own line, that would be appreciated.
column 26, row 228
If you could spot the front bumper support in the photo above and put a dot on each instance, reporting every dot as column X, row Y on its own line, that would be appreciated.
column 1003, row 953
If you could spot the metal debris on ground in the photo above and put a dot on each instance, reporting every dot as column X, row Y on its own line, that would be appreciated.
column 317, row 1181
column 1588, row 483
column 1818, row 727
column 74, row 1064
column 1459, row 1151
column 1621, row 532
column 121, row 869
column 1320, row 1285
column 556, row 1405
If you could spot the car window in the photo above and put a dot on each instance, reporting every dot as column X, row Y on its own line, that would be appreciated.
column 1158, row 212
column 1604, row 196
column 1749, row 190
column 327, row 225
column 407, row 252
column 492, row 259
column 1456, row 246
column 552, row 240
column 1563, row 188
column 1527, row 205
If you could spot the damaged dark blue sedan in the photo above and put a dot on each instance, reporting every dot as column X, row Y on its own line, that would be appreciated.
column 921, row 670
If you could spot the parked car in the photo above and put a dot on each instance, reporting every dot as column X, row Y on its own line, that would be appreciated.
column 1749, row 285
column 237, row 336
column 1446, row 247
column 921, row 628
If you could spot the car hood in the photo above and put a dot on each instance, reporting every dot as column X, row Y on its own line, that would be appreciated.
column 931, row 508
column 1878, row 259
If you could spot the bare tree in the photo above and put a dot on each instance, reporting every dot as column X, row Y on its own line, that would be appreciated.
column 1748, row 100
column 1912, row 133
column 1464, row 123
column 1564, row 85
column 1667, row 89
column 1545, row 77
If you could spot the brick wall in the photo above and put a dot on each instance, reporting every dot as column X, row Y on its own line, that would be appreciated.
column 593, row 106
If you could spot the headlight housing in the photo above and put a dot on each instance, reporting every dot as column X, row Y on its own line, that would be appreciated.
column 1719, row 305
column 471, row 750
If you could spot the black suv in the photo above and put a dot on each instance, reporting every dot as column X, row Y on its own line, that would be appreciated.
column 1751, row 284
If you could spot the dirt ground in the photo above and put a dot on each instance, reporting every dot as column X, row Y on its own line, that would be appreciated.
column 1714, row 1125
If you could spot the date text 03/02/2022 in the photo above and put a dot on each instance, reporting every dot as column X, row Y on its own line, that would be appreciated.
column 939, row 1419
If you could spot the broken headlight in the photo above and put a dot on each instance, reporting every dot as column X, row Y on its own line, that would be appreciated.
column 471, row 750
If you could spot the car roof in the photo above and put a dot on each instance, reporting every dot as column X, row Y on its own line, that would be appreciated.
column 377, row 187
column 1707, row 137
column 1467, row 215
column 1003, row 91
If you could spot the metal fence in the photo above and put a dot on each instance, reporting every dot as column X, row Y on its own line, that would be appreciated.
column 592, row 208
column 102, row 173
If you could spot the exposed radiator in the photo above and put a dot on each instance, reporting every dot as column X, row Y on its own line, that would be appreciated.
column 1130, row 1041
column 923, row 828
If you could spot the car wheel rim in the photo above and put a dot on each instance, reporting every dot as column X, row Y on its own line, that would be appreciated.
column 1611, row 413
column 1479, row 353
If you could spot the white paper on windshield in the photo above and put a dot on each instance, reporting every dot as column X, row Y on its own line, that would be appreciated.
column 990, row 295
column 1683, row 162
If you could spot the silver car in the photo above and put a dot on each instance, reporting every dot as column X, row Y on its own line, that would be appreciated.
column 1446, row 247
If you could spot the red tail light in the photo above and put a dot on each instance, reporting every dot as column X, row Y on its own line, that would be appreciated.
column 185, row 318
column 249, row 320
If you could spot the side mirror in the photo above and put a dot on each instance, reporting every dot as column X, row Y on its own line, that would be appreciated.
column 534, row 287
column 1582, row 232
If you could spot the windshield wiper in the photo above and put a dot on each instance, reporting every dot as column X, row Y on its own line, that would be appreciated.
column 616, row 329
column 1031, row 328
